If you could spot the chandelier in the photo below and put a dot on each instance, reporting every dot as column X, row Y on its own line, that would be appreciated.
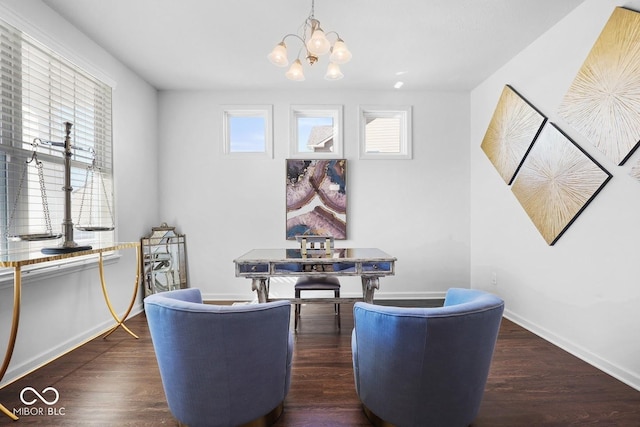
column 314, row 44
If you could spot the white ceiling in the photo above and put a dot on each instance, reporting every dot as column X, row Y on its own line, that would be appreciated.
column 209, row 44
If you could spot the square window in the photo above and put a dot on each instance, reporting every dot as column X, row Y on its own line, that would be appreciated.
column 316, row 132
column 385, row 133
column 248, row 131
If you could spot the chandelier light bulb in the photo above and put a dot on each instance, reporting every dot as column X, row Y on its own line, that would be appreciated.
column 339, row 53
column 318, row 43
column 333, row 72
column 278, row 55
column 295, row 72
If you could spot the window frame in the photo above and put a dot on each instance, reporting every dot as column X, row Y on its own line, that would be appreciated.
column 404, row 113
column 315, row 111
column 262, row 111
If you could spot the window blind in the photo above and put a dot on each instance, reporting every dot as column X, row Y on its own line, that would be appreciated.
column 40, row 92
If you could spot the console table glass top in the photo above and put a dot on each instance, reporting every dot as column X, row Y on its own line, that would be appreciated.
column 23, row 258
column 336, row 253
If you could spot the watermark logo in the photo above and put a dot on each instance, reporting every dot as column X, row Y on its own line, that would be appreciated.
column 32, row 398
column 24, row 391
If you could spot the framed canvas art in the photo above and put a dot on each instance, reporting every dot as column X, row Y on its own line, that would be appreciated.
column 635, row 171
column 512, row 130
column 603, row 102
column 316, row 197
column 556, row 182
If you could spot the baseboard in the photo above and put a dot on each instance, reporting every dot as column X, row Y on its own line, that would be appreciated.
column 24, row 368
column 621, row 374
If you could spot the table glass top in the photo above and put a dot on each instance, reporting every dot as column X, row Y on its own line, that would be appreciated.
column 22, row 258
column 290, row 255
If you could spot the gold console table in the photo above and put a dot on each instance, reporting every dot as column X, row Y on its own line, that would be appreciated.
column 20, row 260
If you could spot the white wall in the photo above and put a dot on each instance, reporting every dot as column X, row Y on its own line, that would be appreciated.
column 60, row 312
column 416, row 210
column 583, row 293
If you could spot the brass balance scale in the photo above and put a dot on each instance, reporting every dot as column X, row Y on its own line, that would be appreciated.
column 68, row 245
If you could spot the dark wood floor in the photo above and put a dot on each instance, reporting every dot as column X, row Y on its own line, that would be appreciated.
column 115, row 382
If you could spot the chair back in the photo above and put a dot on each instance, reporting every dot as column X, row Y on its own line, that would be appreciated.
column 426, row 366
column 220, row 365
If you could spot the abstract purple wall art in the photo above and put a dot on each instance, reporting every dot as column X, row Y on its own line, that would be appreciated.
column 316, row 198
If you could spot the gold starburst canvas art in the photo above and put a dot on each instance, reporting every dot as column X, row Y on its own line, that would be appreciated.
column 556, row 182
column 635, row 171
column 513, row 128
column 603, row 102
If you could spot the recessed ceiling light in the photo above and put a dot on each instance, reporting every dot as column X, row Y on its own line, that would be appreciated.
column 398, row 85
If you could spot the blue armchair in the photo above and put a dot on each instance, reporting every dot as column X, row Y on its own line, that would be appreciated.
column 425, row 366
column 221, row 365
